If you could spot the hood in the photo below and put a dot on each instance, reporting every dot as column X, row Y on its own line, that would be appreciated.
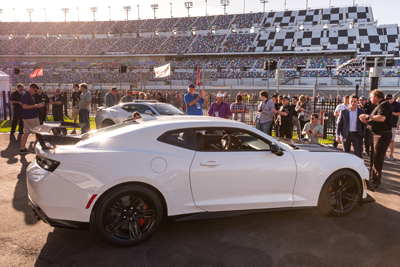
column 308, row 146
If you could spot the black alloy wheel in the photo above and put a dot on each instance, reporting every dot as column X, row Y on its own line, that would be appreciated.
column 129, row 215
column 340, row 193
column 107, row 123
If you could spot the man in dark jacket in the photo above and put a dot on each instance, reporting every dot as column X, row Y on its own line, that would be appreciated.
column 350, row 127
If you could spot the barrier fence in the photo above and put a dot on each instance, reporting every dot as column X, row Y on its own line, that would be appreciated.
column 325, row 109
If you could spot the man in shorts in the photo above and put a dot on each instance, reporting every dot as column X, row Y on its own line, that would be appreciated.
column 395, row 116
column 29, row 114
column 76, row 96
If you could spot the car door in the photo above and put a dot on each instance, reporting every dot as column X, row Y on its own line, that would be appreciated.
column 243, row 178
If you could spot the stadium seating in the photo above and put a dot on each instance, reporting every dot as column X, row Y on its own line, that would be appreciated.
column 290, row 63
column 99, row 46
column 203, row 23
column 223, row 22
column 176, row 44
column 149, row 45
column 247, row 20
column 207, row 43
column 238, row 42
column 321, row 62
column 185, row 24
column 124, row 45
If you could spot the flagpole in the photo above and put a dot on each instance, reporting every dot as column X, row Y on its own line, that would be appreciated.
column 202, row 78
column 170, row 76
column 365, row 74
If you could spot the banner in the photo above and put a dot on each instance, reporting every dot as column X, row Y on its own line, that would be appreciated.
column 162, row 71
column 198, row 76
column 352, row 66
column 38, row 72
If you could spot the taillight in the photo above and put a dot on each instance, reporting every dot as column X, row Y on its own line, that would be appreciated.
column 47, row 164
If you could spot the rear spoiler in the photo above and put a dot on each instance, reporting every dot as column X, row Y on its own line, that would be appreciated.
column 50, row 141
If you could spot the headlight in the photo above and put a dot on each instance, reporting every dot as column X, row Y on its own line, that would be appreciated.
column 47, row 164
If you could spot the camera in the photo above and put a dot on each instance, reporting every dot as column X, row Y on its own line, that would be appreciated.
column 260, row 110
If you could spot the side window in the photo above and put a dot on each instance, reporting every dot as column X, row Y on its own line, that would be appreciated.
column 181, row 138
column 229, row 139
column 137, row 107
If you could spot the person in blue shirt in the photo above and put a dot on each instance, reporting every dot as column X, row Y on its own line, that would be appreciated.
column 29, row 114
column 194, row 102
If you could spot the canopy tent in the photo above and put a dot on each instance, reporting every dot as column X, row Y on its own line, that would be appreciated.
column 4, row 81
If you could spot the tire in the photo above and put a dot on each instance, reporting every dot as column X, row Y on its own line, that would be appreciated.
column 107, row 123
column 129, row 215
column 340, row 194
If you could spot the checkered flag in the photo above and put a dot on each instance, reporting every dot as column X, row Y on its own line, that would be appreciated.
column 352, row 66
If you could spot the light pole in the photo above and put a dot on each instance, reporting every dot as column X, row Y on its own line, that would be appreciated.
column 171, row 9
column 65, row 10
column 354, row 2
column 244, row 6
column 206, row 7
column 188, row 5
column 14, row 14
column 30, row 11
column 306, row 4
column 264, row 2
column 127, row 9
column 138, row 14
column 154, row 7
column 77, row 9
column 284, row 6
column 109, row 12
column 224, row 3
column 1, row 12
column 45, row 15
column 93, row 10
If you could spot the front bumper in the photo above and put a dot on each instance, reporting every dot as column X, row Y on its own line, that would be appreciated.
column 40, row 215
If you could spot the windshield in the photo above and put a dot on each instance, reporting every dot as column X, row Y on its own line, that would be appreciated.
column 167, row 109
column 108, row 129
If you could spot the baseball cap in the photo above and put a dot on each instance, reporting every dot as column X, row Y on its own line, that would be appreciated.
column 362, row 98
column 388, row 97
column 275, row 95
column 220, row 95
column 285, row 97
column 192, row 85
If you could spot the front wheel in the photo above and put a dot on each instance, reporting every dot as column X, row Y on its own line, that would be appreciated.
column 107, row 123
column 340, row 193
column 129, row 215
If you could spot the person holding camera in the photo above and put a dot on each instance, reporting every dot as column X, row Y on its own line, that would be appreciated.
column 285, row 120
column 265, row 114
column 239, row 108
column 313, row 130
column 40, row 97
column 304, row 110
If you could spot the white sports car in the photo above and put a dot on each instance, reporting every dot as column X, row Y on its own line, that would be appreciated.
column 128, row 177
column 117, row 114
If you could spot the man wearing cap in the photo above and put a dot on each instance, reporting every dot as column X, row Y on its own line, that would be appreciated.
column 380, row 124
column 295, row 118
column 220, row 108
column 194, row 102
column 350, row 127
column 285, row 120
column 367, row 107
column 396, row 113
column 239, row 108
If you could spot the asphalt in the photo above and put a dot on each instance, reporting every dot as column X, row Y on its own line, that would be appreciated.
column 370, row 236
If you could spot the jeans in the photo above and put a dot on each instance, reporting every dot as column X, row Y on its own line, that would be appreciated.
column 264, row 127
column 84, row 118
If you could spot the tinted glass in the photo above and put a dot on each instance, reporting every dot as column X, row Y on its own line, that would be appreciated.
column 167, row 109
column 137, row 107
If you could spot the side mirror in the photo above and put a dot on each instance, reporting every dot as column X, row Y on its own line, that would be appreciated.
column 148, row 112
column 275, row 149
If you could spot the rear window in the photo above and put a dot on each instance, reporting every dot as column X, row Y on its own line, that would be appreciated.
column 166, row 109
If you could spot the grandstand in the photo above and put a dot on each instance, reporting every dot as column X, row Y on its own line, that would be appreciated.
column 307, row 44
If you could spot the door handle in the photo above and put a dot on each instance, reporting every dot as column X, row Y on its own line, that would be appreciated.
column 209, row 163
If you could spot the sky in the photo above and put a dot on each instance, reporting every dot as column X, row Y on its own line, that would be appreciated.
column 386, row 13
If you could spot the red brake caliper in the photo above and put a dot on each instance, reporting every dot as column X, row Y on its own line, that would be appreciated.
column 330, row 189
column 142, row 221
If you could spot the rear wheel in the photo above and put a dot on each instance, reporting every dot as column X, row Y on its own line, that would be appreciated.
column 129, row 215
column 107, row 123
column 340, row 193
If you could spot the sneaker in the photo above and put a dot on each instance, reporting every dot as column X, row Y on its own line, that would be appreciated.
column 391, row 158
column 386, row 157
column 25, row 151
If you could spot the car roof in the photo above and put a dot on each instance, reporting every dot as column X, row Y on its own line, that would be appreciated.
column 191, row 122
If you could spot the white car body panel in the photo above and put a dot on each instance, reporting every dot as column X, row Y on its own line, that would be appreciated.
column 133, row 154
column 245, row 181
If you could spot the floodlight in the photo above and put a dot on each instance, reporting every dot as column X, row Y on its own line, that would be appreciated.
column 301, row 27
column 326, row 26
column 252, row 29
column 59, row 36
column 27, row 36
column 10, row 36
column 155, row 33
column 212, row 31
column 233, row 30
column 277, row 28
column 193, row 32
